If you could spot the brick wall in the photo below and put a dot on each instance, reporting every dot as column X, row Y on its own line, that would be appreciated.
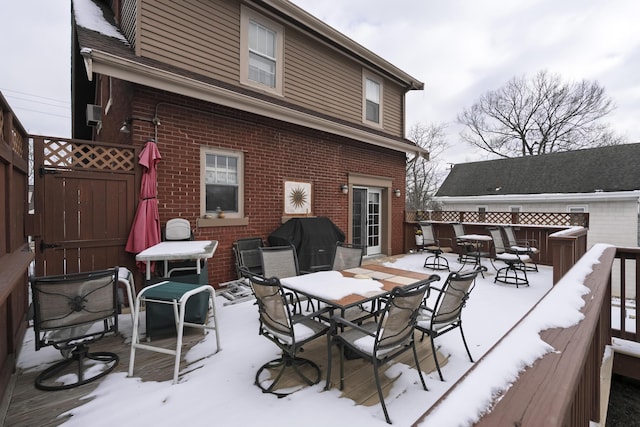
column 274, row 152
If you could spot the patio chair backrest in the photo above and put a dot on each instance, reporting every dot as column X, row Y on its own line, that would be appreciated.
column 67, row 302
column 428, row 236
column 511, row 236
column 453, row 297
column 347, row 256
column 398, row 320
column 273, row 310
column 458, row 229
column 247, row 254
column 498, row 240
column 279, row 261
column 178, row 229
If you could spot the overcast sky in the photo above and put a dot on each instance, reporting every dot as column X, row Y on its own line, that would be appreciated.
column 459, row 49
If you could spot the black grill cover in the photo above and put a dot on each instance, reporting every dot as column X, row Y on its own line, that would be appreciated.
column 314, row 239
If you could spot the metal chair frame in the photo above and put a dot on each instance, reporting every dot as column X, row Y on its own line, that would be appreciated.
column 391, row 334
column 431, row 244
column 278, row 324
column 446, row 313
column 515, row 271
column 66, row 309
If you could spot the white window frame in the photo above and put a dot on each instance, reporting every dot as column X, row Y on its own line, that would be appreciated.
column 246, row 16
column 239, row 155
column 366, row 75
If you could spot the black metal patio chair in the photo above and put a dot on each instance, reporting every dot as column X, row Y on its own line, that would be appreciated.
column 446, row 313
column 431, row 244
column 71, row 311
column 288, row 331
column 381, row 340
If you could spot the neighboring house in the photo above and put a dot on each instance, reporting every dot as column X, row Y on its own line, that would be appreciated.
column 601, row 181
column 258, row 109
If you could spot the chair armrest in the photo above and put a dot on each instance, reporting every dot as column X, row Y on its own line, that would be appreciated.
column 337, row 320
column 314, row 315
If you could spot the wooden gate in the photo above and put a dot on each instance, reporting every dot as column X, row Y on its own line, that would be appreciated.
column 84, row 204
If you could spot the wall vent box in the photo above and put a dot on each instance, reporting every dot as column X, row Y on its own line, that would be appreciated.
column 94, row 115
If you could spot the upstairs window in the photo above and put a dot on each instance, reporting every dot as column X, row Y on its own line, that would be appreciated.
column 222, row 182
column 261, row 54
column 372, row 99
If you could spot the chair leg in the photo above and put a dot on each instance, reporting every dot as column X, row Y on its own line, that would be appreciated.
column 284, row 362
column 464, row 341
column 77, row 358
column 435, row 357
column 415, row 357
column 436, row 262
column 327, row 384
column 380, row 394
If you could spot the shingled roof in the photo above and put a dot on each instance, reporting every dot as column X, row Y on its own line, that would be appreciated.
column 614, row 168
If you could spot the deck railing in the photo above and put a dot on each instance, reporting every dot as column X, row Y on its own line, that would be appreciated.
column 565, row 387
column 538, row 234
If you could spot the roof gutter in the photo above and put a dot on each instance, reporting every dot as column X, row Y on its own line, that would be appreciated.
column 111, row 65
column 611, row 196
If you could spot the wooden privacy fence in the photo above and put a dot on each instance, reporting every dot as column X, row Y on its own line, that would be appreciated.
column 84, row 203
column 15, row 255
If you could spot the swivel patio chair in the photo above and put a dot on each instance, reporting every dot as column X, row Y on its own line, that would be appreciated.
column 515, row 271
column 281, row 262
column 521, row 247
column 431, row 244
column 446, row 313
column 287, row 330
column 72, row 311
column 383, row 339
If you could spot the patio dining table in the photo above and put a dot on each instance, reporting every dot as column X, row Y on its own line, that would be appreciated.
column 341, row 290
column 477, row 240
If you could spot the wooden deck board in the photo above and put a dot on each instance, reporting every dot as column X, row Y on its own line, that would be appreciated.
column 32, row 407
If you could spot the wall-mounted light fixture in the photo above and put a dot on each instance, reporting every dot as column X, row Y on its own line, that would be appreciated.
column 126, row 125
column 344, row 188
column 396, row 192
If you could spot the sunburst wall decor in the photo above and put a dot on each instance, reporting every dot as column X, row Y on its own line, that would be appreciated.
column 297, row 198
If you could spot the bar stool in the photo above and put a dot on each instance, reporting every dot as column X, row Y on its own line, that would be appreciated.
column 176, row 294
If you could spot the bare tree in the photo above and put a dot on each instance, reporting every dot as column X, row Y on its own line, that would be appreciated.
column 423, row 175
column 538, row 116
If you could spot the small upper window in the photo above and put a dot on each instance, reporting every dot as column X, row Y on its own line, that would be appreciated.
column 261, row 54
column 372, row 100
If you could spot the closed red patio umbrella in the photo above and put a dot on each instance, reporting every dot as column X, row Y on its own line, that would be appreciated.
column 145, row 231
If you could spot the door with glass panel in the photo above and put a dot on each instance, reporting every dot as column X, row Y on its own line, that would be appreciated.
column 366, row 221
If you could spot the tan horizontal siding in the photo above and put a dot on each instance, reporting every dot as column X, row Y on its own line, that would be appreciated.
column 393, row 114
column 318, row 78
column 204, row 37
column 181, row 33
